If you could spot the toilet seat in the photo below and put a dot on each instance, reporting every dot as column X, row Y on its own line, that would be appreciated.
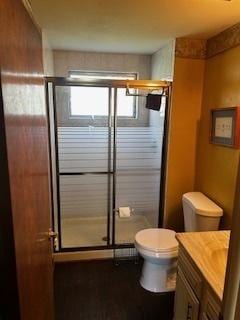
column 157, row 240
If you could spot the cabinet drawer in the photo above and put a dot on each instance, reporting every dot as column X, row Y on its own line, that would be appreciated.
column 211, row 307
column 204, row 317
column 191, row 273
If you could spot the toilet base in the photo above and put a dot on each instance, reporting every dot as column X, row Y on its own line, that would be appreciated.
column 157, row 277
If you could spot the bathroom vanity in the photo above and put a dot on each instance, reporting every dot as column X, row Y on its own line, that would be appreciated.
column 201, row 273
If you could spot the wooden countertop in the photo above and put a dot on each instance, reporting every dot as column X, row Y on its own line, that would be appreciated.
column 209, row 252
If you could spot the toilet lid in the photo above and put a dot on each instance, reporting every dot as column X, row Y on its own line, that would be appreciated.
column 161, row 240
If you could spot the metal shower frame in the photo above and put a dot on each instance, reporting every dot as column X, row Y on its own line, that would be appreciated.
column 112, row 85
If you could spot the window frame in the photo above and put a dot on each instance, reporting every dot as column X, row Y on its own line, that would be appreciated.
column 110, row 75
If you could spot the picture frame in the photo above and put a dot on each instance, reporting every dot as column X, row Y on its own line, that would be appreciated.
column 225, row 127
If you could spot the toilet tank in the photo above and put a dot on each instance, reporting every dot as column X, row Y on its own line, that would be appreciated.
column 200, row 213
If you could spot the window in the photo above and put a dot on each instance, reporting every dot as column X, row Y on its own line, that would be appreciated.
column 93, row 101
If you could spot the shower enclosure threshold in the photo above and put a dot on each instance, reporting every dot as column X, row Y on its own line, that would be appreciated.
column 79, row 232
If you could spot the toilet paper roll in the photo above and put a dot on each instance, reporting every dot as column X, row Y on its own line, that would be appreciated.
column 124, row 212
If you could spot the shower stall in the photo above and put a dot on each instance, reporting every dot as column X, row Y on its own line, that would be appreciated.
column 106, row 153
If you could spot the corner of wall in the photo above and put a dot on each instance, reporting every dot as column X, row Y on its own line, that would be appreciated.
column 206, row 76
column 48, row 61
column 184, row 121
column 162, row 62
column 217, row 166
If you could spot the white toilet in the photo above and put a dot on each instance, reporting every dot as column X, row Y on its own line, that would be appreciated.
column 159, row 248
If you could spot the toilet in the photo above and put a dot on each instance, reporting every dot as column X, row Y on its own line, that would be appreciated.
column 159, row 247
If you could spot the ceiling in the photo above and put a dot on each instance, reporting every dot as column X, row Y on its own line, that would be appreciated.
column 130, row 26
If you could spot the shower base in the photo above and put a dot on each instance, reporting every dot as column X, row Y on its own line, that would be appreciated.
column 86, row 232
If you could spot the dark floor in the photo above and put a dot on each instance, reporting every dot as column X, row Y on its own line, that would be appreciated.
column 99, row 290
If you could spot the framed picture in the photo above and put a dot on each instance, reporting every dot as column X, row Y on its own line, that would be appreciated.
column 225, row 127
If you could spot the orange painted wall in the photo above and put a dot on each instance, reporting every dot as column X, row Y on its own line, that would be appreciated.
column 217, row 166
column 185, row 116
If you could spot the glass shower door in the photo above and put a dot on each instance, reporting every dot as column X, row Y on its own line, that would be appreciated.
column 138, row 169
column 83, row 123
column 108, row 155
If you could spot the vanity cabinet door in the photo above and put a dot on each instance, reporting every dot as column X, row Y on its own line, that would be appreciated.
column 186, row 303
